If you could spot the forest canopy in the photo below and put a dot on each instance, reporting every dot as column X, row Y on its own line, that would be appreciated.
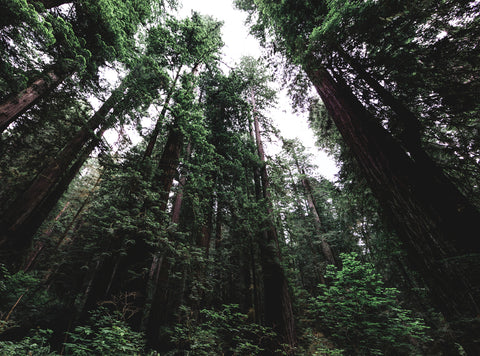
column 193, row 238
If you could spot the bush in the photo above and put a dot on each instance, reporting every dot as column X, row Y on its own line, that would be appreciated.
column 362, row 315
column 22, row 299
column 34, row 345
column 224, row 331
column 107, row 334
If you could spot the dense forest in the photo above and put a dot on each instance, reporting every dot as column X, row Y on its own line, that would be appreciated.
column 142, row 212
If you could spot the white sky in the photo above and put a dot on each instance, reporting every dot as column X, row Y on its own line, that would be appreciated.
column 239, row 43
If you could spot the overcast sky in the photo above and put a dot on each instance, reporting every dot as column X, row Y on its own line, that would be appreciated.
column 239, row 43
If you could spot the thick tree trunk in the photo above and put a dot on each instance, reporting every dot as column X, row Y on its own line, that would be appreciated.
column 278, row 303
column 13, row 107
column 412, row 128
column 72, row 173
column 437, row 226
column 168, row 166
column 206, row 231
column 410, row 138
column 265, row 182
column 218, row 225
column 26, row 214
column 177, row 205
column 326, row 249
column 205, row 236
column 161, row 118
column 32, row 258
column 159, row 263
column 300, row 206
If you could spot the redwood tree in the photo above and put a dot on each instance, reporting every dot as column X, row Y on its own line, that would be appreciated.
column 433, row 219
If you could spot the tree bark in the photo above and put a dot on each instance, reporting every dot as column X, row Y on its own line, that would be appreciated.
column 85, row 202
column 218, row 225
column 437, row 226
column 16, row 105
column 168, row 166
column 411, row 136
column 30, row 263
column 326, row 249
column 177, row 205
column 29, row 210
column 278, row 303
column 161, row 118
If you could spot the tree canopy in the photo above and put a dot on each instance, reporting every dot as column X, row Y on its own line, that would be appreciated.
column 150, row 206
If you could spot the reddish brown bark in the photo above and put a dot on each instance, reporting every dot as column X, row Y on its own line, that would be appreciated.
column 28, row 211
column 412, row 127
column 437, row 226
column 15, row 106
column 326, row 249
column 177, row 205
column 84, row 204
column 206, row 232
column 410, row 138
column 168, row 167
column 265, row 181
column 161, row 118
column 218, row 225
column 278, row 303
column 40, row 245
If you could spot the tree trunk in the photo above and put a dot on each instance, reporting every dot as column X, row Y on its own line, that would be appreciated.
column 300, row 205
column 411, row 139
column 206, row 231
column 161, row 119
column 30, row 263
column 29, row 210
column 16, row 105
column 85, row 202
column 168, row 165
column 265, row 182
column 218, row 225
column 326, row 249
column 411, row 135
column 278, row 303
column 181, row 186
column 437, row 227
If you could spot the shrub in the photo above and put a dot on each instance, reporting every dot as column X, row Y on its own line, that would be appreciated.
column 362, row 315
column 223, row 331
column 107, row 334
column 33, row 345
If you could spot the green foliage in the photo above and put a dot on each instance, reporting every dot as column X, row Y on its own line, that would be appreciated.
column 363, row 315
column 23, row 301
column 28, row 31
column 106, row 334
column 211, row 258
column 33, row 345
column 221, row 331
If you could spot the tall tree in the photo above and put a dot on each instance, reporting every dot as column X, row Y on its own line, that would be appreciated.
column 25, row 214
column 433, row 219
column 278, row 303
column 80, row 42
